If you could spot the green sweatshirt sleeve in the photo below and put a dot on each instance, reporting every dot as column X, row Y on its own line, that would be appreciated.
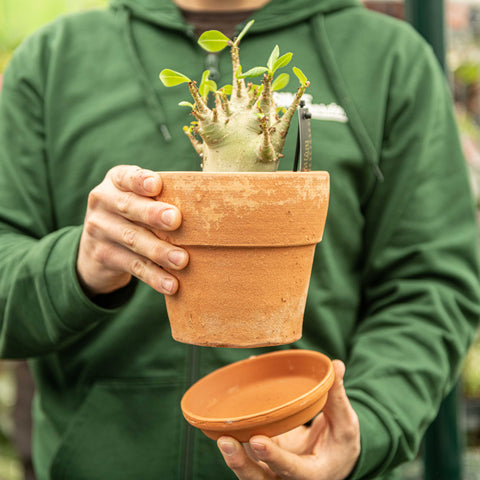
column 42, row 305
column 421, row 275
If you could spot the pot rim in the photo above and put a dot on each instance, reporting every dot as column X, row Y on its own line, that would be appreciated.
column 232, row 209
column 265, row 174
column 266, row 416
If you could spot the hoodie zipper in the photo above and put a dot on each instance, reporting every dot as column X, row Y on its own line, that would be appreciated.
column 189, row 438
column 193, row 373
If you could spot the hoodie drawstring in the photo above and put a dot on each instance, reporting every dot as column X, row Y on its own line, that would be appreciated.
column 337, row 82
column 152, row 101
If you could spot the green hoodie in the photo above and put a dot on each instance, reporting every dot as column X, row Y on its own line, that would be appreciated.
column 394, row 289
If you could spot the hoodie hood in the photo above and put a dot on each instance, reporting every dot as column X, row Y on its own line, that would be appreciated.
column 275, row 14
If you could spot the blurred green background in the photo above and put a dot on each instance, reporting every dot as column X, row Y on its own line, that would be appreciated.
column 19, row 18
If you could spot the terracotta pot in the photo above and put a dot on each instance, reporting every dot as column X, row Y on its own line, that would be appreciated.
column 265, row 395
column 251, row 239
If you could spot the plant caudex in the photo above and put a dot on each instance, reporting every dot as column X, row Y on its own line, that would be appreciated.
column 244, row 131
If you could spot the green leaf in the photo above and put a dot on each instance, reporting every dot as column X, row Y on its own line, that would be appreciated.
column 280, row 82
column 213, row 41
column 300, row 75
column 205, row 76
column 281, row 62
column 206, row 85
column 212, row 86
column 273, row 58
column 227, row 89
column 203, row 88
column 170, row 78
column 209, row 86
column 253, row 72
column 280, row 110
column 186, row 104
column 244, row 31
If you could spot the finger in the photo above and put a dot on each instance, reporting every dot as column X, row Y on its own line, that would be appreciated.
column 143, row 242
column 342, row 420
column 131, row 178
column 136, row 208
column 238, row 461
column 336, row 396
column 298, row 440
column 117, row 258
column 284, row 463
column 338, row 409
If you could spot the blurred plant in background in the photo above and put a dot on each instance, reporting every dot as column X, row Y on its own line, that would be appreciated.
column 471, row 372
column 19, row 18
column 464, row 66
column 10, row 468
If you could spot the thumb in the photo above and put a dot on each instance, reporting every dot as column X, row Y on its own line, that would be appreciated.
column 285, row 464
column 338, row 409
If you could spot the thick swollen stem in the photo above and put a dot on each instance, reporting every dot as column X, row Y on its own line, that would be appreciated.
column 211, row 130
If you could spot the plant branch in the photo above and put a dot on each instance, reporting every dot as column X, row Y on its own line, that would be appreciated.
column 267, row 151
column 284, row 124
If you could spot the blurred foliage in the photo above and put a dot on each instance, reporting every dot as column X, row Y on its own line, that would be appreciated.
column 10, row 466
column 471, row 372
column 19, row 18
column 468, row 73
column 467, row 102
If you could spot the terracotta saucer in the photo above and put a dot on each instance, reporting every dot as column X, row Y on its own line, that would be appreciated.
column 265, row 395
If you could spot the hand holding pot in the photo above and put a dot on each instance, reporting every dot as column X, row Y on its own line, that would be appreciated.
column 117, row 242
column 327, row 450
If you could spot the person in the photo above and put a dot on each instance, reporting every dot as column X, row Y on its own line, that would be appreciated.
column 86, row 129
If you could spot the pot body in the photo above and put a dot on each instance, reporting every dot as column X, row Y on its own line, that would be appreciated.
column 251, row 238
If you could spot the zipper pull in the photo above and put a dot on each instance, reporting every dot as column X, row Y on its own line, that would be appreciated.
column 211, row 63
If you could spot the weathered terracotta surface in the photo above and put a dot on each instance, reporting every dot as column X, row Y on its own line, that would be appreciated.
column 251, row 239
column 265, row 395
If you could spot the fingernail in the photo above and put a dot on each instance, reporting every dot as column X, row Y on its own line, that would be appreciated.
column 228, row 448
column 150, row 185
column 258, row 448
column 177, row 257
column 168, row 284
column 169, row 217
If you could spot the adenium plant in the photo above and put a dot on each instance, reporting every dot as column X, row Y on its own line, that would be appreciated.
column 244, row 131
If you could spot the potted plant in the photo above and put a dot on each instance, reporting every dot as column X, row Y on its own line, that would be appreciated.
column 250, row 230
